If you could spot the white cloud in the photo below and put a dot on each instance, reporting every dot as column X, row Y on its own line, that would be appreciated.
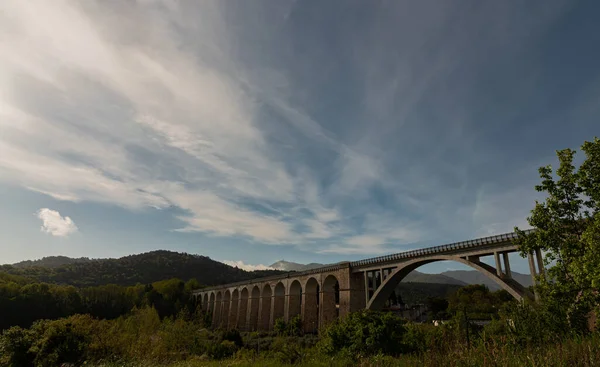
column 55, row 224
column 247, row 267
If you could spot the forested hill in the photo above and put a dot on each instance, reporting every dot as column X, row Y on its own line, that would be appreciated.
column 52, row 262
column 129, row 270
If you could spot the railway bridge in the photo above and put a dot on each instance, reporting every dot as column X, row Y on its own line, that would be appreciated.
column 322, row 295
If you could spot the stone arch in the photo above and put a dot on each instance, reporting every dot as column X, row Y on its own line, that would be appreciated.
column 243, row 310
column 294, row 299
column 205, row 305
column 225, row 309
column 218, row 310
column 233, row 312
column 266, row 298
column 211, row 303
column 331, row 300
column 279, row 302
column 310, row 310
column 254, row 308
column 382, row 294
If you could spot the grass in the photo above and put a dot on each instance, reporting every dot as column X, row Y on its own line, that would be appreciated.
column 575, row 352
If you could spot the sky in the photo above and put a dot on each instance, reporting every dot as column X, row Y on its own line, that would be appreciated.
column 254, row 131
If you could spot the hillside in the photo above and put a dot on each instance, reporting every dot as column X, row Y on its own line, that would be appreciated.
column 475, row 277
column 52, row 262
column 142, row 268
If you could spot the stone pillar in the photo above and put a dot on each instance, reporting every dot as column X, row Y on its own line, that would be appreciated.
column 216, row 320
column 253, row 312
column 366, row 277
column 224, row 320
column 358, row 292
column 328, row 307
column 310, row 309
column 233, row 313
column 242, row 322
column 294, row 306
column 533, row 274
column 266, row 306
column 278, row 309
column 540, row 262
column 507, row 271
column 498, row 264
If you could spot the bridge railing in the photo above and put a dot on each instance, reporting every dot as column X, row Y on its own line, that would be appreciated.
column 380, row 259
column 439, row 249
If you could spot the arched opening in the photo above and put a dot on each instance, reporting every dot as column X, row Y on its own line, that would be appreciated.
column 211, row 308
column 225, row 313
column 265, row 306
column 243, row 310
column 205, row 302
column 382, row 294
column 331, row 300
column 279, row 303
column 218, row 310
column 233, row 313
column 295, row 300
column 310, row 317
column 254, row 308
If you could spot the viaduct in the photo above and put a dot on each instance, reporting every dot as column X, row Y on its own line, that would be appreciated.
column 322, row 295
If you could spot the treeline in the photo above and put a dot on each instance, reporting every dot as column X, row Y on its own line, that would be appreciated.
column 23, row 301
column 135, row 269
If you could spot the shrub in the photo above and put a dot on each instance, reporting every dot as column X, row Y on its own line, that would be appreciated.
column 286, row 350
column 222, row 350
column 15, row 344
column 234, row 336
column 364, row 333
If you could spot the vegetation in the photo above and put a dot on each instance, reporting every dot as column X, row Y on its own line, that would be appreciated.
column 160, row 326
column 567, row 227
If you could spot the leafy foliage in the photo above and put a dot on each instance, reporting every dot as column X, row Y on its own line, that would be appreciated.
column 23, row 302
column 567, row 227
column 365, row 333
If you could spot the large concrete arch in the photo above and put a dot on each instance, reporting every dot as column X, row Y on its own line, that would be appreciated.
column 243, row 309
column 211, row 303
column 294, row 304
column 233, row 309
column 310, row 303
column 279, row 302
column 266, row 300
column 384, row 291
column 330, row 298
column 254, row 309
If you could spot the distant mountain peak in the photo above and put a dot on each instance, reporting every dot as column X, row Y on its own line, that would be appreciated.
column 292, row 266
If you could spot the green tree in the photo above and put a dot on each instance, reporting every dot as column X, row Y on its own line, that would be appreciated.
column 568, row 233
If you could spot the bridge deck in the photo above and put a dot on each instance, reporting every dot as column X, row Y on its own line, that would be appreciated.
column 485, row 243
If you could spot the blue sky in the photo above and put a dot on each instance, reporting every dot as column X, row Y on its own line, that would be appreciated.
column 301, row 130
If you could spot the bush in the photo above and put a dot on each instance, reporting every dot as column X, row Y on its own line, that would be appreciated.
column 234, row 336
column 292, row 328
column 15, row 344
column 223, row 350
column 286, row 350
column 364, row 333
column 58, row 342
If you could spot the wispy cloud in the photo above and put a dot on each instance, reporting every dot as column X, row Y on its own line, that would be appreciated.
column 253, row 131
column 55, row 224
